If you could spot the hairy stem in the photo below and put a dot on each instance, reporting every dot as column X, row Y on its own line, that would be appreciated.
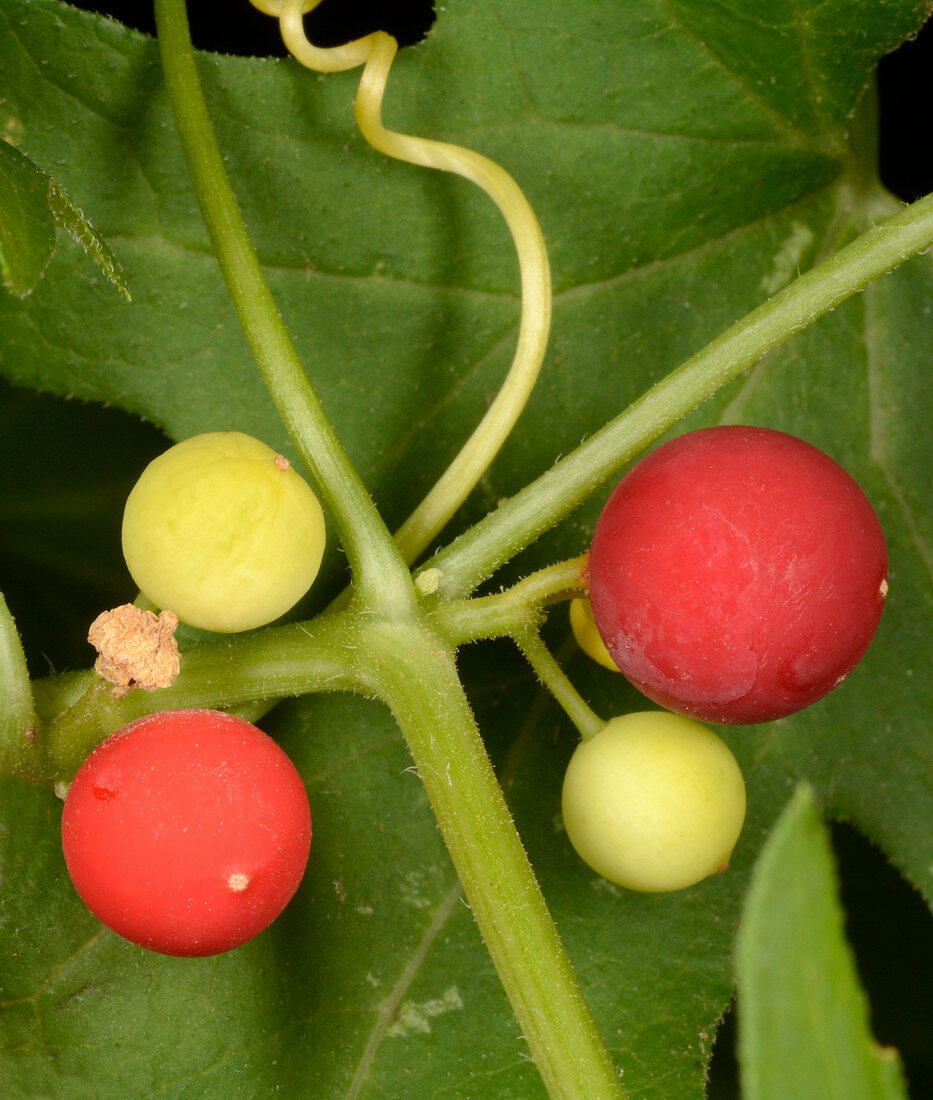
column 490, row 861
column 554, row 678
column 78, row 710
column 542, row 504
column 513, row 611
column 380, row 575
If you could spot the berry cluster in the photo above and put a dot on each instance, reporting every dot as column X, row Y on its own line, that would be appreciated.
column 736, row 575
column 188, row 831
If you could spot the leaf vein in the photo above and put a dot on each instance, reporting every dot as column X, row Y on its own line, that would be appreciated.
column 390, row 1005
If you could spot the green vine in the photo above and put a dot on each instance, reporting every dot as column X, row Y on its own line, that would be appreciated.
column 380, row 576
column 518, row 522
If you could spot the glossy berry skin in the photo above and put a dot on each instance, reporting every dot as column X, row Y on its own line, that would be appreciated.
column 654, row 802
column 737, row 574
column 223, row 532
column 187, row 832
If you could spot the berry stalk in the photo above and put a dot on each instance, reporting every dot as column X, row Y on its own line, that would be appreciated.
column 514, row 611
column 549, row 672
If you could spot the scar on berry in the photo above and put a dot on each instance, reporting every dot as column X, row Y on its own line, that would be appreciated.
column 136, row 648
column 238, row 882
column 281, row 463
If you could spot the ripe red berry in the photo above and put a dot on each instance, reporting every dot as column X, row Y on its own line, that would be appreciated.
column 737, row 574
column 187, row 832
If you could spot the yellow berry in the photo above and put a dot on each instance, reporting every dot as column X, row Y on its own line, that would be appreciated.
column 654, row 801
column 584, row 630
column 222, row 531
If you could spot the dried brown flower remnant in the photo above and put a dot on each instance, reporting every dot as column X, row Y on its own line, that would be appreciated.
column 137, row 648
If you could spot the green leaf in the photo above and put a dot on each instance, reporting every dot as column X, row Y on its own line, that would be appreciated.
column 27, row 229
column 83, row 233
column 803, row 1021
column 30, row 204
column 16, row 721
column 685, row 161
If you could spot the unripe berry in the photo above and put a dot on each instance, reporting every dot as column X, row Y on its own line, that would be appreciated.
column 586, row 633
column 222, row 531
column 653, row 802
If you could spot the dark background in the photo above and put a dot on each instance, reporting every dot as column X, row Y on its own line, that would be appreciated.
column 904, row 80
column 888, row 924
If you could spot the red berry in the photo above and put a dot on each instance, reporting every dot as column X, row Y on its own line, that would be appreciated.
column 737, row 574
column 187, row 831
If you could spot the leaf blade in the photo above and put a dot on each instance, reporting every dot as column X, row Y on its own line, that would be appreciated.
column 27, row 231
column 803, row 1022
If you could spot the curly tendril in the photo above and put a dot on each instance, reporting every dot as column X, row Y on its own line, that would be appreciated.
column 335, row 59
column 377, row 51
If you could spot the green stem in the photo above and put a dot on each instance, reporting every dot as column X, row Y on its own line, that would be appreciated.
column 554, row 678
column 497, row 879
column 414, row 671
column 380, row 574
column 514, row 611
column 542, row 504
column 76, row 710
column 20, row 747
column 79, row 710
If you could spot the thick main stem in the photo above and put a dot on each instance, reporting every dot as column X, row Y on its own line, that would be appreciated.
column 497, row 879
column 381, row 577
